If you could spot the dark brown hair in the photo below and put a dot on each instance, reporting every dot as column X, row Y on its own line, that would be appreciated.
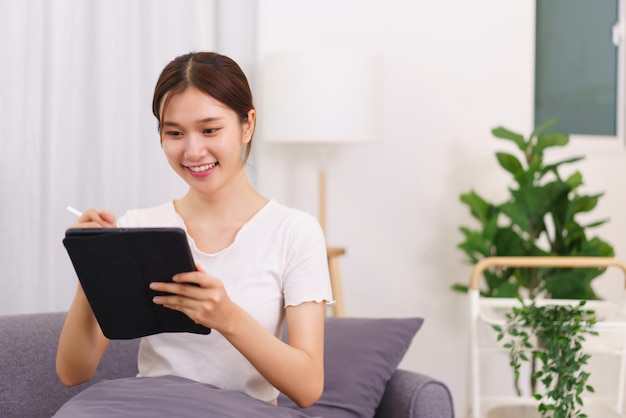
column 216, row 75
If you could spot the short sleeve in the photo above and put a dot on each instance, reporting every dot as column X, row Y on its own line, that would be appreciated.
column 306, row 277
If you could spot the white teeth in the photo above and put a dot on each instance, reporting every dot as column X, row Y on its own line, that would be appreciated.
column 202, row 167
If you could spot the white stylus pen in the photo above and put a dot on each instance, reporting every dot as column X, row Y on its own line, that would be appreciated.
column 73, row 211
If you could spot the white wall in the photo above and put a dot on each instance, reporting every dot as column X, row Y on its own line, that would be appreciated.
column 453, row 71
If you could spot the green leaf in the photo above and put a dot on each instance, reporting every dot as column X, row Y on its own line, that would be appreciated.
column 543, row 126
column 572, row 235
column 493, row 281
column 555, row 139
column 596, row 247
column 553, row 168
column 503, row 133
column 508, row 243
column 547, row 380
column 490, row 229
column 517, row 214
column 596, row 223
column 580, row 204
column 510, row 163
column 555, row 193
column 479, row 207
column 460, row 288
column 507, row 290
column 531, row 175
column 575, row 180
column 533, row 203
column 475, row 244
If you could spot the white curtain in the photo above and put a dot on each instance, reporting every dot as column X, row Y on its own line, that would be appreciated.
column 76, row 128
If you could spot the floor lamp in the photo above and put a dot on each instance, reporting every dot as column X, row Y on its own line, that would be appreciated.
column 321, row 98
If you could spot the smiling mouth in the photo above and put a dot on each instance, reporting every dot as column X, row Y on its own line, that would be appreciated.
column 202, row 168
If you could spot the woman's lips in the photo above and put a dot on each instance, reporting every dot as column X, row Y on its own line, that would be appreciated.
column 201, row 170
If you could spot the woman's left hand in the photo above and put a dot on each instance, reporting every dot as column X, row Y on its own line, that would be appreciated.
column 198, row 295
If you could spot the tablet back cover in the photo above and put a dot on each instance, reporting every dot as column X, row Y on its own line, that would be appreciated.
column 115, row 267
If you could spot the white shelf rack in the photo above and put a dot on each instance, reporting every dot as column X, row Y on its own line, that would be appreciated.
column 486, row 312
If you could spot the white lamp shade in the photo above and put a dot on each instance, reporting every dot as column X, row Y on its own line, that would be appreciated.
column 320, row 97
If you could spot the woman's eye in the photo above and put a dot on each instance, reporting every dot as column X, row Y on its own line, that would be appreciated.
column 173, row 133
column 209, row 131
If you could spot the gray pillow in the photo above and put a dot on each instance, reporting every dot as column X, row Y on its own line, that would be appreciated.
column 167, row 396
column 360, row 356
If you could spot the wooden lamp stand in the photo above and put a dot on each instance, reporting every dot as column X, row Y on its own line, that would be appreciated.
column 333, row 253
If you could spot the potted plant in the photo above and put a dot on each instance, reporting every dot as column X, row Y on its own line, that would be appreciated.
column 553, row 335
column 539, row 219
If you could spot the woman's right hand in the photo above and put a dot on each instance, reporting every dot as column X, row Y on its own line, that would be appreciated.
column 95, row 219
column 82, row 343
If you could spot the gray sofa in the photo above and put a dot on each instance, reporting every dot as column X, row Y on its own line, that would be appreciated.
column 29, row 387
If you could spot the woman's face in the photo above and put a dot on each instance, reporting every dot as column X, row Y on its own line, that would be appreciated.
column 203, row 140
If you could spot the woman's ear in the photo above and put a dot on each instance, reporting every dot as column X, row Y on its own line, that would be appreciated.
column 248, row 126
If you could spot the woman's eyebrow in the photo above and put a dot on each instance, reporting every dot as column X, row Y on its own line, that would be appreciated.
column 210, row 119
column 204, row 120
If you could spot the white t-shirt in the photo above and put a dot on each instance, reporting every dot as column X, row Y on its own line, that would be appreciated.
column 277, row 259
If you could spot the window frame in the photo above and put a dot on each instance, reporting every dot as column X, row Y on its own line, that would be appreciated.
column 610, row 143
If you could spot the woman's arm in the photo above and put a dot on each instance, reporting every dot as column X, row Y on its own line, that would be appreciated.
column 296, row 369
column 82, row 343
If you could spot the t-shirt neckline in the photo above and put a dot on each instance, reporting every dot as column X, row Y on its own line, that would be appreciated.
column 255, row 218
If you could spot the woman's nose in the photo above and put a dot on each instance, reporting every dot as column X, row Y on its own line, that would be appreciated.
column 195, row 146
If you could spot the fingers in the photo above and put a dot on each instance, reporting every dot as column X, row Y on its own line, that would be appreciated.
column 95, row 219
column 189, row 287
column 108, row 217
column 200, row 296
column 178, row 296
column 187, row 284
column 186, row 290
column 198, row 278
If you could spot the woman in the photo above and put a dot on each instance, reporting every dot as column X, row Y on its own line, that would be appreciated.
column 258, row 262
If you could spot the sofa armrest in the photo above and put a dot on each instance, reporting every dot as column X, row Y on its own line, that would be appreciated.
column 414, row 395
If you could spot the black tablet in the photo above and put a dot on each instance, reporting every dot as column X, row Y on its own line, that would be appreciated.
column 115, row 267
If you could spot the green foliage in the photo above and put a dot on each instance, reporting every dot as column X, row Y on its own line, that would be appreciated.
column 558, row 331
column 538, row 219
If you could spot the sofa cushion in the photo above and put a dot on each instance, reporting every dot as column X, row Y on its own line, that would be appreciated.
column 360, row 356
column 167, row 396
